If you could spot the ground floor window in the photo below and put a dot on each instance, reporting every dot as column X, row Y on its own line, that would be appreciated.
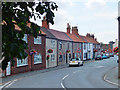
column 37, row 58
column 22, row 62
column 84, row 55
column 60, row 58
column 53, row 57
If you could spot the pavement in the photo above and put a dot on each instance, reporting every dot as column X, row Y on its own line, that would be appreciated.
column 112, row 76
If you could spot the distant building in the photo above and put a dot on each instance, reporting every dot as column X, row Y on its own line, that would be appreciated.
column 115, row 44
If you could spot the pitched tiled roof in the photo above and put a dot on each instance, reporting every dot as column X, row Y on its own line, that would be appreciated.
column 48, row 33
column 90, row 39
column 60, row 35
column 75, row 38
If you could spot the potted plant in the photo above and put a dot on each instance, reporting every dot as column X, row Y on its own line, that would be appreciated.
column 50, row 51
column 32, row 51
column 48, row 56
column 68, row 51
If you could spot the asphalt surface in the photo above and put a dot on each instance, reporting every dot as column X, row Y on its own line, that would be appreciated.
column 90, row 75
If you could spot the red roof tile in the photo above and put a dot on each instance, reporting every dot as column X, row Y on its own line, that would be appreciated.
column 90, row 40
column 76, row 38
column 60, row 35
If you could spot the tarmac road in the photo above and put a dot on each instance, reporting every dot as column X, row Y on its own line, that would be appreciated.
column 90, row 75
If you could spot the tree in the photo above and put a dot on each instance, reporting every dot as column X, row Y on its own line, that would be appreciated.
column 19, row 13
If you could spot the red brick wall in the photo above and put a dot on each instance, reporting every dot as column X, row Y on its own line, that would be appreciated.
column 40, row 48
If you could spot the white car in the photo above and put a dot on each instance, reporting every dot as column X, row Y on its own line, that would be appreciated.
column 76, row 61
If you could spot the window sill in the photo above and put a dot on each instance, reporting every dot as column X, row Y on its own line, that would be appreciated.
column 22, row 65
column 37, row 43
column 37, row 62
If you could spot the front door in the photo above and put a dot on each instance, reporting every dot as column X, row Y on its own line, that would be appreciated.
column 66, row 58
column 8, row 69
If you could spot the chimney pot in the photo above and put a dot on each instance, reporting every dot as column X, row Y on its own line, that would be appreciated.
column 68, row 28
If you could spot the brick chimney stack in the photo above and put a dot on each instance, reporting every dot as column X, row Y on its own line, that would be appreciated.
column 68, row 28
column 75, row 30
column 88, row 35
column 95, row 39
column 44, row 23
column 92, row 35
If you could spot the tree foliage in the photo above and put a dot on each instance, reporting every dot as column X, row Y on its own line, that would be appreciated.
column 19, row 13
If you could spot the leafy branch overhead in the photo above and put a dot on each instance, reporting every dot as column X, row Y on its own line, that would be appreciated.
column 20, row 13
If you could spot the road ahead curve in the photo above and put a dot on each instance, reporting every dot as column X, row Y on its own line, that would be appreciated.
column 88, row 76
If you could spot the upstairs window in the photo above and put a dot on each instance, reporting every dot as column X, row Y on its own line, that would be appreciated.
column 52, row 43
column 60, row 45
column 37, row 40
column 84, row 45
column 80, row 46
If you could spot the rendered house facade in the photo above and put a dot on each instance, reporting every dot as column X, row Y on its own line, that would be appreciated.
column 64, row 47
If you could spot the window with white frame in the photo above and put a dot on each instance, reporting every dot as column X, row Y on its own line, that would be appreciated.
column 80, row 45
column 52, row 43
column 84, row 45
column 60, row 58
column 68, row 45
column 22, row 62
column 53, row 57
column 37, row 58
column 37, row 40
column 60, row 45
column 25, row 38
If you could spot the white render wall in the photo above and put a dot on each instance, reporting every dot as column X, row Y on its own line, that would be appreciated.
column 84, row 51
column 50, row 63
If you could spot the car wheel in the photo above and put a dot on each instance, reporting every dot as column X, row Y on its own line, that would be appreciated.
column 69, row 65
column 82, row 64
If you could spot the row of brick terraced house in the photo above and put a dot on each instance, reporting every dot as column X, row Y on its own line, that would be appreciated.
column 55, row 48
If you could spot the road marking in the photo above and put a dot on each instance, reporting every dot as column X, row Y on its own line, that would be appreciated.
column 99, row 66
column 76, row 71
column 65, row 76
column 5, row 84
column 11, row 83
column 8, row 84
column 108, row 80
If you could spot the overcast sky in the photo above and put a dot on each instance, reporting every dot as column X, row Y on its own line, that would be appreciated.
column 98, row 17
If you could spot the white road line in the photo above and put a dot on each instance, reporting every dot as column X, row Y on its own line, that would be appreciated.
column 5, row 84
column 11, row 83
column 63, row 86
column 108, row 80
column 8, row 84
column 65, row 76
column 76, row 71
